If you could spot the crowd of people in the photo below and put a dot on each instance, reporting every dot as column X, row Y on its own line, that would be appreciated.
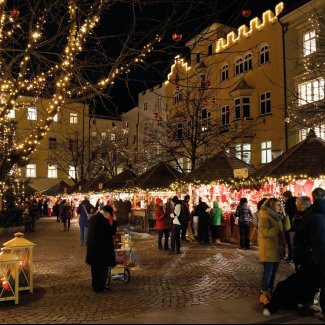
column 288, row 229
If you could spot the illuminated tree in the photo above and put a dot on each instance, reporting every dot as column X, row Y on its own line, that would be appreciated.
column 70, row 50
column 307, row 107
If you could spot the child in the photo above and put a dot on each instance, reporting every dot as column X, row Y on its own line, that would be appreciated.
column 27, row 220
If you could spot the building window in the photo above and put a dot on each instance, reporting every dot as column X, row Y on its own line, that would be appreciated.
column 309, row 42
column 31, row 170
column 134, row 139
column 205, row 119
column 178, row 131
column 311, row 91
column 126, row 125
column 266, row 152
column 265, row 103
column 52, row 143
column 178, row 96
column 248, row 62
column 319, row 131
column 264, row 54
column 56, row 118
column 12, row 113
column 73, row 118
column 244, row 152
column 72, row 172
column 113, row 124
column 145, row 106
column 52, row 172
column 104, row 135
column 113, row 136
column 225, row 72
column 210, row 49
column 239, row 66
column 242, row 108
column 93, row 134
column 225, row 115
column 198, row 57
column 32, row 114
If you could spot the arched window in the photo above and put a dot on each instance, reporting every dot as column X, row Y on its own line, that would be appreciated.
column 248, row 62
column 264, row 54
column 239, row 66
column 225, row 73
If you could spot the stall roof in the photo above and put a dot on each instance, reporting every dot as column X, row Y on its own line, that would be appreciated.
column 59, row 188
column 160, row 176
column 75, row 188
column 305, row 158
column 217, row 168
column 120, row 180
column 29, row 190
column 93, row 184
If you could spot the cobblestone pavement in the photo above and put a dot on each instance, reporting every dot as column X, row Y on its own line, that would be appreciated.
column 202, row 276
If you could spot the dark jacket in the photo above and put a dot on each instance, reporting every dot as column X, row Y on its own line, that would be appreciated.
column 83, row 220
column 244, row 213
column 201, row 212
column 100, row 244
column 290, row 209
column 316, row 231
column 302, row 250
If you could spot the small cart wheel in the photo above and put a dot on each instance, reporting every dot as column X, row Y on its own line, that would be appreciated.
column 109, row 277
column 127, row 275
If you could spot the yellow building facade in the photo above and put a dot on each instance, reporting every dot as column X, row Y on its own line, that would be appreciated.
column 53, row 160
column 242, row 74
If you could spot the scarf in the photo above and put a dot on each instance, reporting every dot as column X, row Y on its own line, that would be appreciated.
column 275, row 215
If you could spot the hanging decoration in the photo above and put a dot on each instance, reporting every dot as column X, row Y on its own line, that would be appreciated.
column 15, row 12
column 246, row 12
column 177, row 37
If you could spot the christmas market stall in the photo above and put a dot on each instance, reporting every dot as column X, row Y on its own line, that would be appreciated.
column 152, row 184
column 299, row 170
column 57, row 189
column 121, row 198
column 213, row 181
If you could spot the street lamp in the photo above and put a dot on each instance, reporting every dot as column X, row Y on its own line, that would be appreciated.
column 23, row 248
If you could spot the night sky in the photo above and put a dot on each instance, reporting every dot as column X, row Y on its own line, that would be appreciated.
column 124, row 92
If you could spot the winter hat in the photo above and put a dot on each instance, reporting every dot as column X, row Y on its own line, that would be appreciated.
column 159, row 201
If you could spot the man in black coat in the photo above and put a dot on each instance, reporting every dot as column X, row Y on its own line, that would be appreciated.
column 100, row 247
column 317, row 239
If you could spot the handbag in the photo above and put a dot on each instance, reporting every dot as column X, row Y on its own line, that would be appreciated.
column 286, row 223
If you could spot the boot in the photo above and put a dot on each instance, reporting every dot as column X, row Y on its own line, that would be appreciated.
column 264, row 298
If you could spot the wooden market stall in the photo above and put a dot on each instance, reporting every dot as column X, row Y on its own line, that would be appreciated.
column 121, row 198
column 300, row 169
column 213, row 181
column 147, row 187
column 57, row 189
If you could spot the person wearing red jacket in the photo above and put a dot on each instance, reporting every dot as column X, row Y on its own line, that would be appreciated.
column 161, row 224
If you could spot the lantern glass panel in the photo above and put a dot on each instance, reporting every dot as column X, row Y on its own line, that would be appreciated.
column 7, row 281
column 23, row 266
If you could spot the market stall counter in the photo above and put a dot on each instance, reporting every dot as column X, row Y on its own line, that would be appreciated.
column 139, row 219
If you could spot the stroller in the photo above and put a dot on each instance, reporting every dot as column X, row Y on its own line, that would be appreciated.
column 123, row 248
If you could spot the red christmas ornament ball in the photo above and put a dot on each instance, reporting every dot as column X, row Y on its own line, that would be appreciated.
column 246, row 13
column 177, row 37
column 15, row 12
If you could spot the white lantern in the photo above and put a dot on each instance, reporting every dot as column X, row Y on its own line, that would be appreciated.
column 9, row 283
column 23, row 248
